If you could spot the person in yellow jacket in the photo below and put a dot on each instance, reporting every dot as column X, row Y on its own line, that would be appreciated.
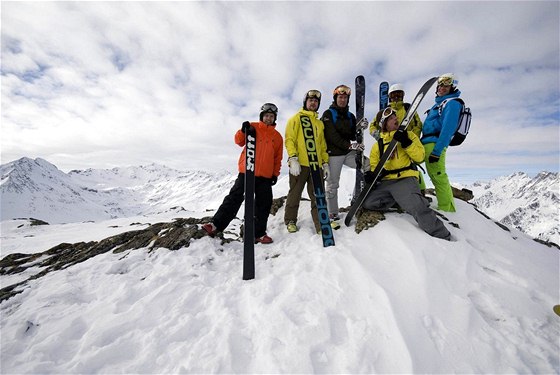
column 298, row 161
column 399, row 182
column 396, row 101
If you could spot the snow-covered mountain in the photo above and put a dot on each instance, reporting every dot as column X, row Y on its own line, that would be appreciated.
column 36, row 188
column 529, row 204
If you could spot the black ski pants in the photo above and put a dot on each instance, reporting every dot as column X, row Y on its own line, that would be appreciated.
column 232, row 202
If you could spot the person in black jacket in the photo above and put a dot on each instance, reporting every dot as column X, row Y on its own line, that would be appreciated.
column 340, row 135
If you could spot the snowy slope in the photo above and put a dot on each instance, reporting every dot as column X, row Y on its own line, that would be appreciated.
column 519, row 201
column 389, row 300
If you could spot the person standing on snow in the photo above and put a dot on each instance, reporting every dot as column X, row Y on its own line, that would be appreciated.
column 340, row 135
column 267, row 169
column 298, row 162
column 439, row 127
column 399, row 178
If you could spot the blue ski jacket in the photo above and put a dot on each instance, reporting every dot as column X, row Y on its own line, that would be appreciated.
column 440, row 128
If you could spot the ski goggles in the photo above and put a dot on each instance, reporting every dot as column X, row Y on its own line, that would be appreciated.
column 445, row 81
column 313, row 94
column 269, row 107
column 387, row 112
column 342, row 90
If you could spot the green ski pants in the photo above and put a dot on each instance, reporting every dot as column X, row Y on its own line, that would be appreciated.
column 439, row 178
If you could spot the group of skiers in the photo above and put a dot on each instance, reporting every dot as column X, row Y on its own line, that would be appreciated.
column 335, row 145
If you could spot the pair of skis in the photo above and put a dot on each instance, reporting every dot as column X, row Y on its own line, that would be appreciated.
column 360, row 85
column 389, row 150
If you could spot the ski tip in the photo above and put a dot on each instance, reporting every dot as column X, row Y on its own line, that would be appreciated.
column 556, row 309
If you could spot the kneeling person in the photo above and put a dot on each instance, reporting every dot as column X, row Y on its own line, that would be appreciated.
column 399, row 182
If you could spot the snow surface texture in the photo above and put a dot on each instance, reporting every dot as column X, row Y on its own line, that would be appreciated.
column 389, row 300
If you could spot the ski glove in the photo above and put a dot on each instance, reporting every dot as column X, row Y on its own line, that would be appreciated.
column 368, row 177
column 401, row 135
column 295, row 168
column 363, row 123
column 355, row 146
column 246, row 125
column 326, row 171
column 273, row 180
column 433, row 158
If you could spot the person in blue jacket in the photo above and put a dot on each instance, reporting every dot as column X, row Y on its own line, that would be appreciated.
column 439, row 127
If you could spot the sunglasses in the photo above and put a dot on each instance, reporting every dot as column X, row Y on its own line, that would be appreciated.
column 269, row 107
column 314, row 94
column 445, row 81
column 342, row 90
column 387, row 112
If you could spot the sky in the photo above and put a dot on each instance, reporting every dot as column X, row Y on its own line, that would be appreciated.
column 115, row 84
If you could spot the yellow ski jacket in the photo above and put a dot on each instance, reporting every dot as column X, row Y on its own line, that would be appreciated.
column 401, row 158
column 295, row 142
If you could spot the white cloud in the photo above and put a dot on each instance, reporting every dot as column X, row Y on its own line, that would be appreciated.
column 100, row 84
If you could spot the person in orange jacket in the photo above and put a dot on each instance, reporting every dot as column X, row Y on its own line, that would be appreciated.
column 268, row 160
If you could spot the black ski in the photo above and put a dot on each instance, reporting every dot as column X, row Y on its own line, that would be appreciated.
column 383, row 95
column 389, row 150
column 360, row 85
column 249, row 225
column 319, row 191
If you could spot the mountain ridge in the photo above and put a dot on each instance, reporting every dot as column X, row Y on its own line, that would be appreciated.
column 38, row 189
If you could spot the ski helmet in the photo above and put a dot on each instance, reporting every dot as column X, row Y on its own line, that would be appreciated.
column 269, row 108
column 311, row 94
column 448, row 79
column 341, row 90
column 396, row 87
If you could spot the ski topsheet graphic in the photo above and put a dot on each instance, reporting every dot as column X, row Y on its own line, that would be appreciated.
column 318, row 189
column 360, row 85
column 383, row 95
column 249, row 225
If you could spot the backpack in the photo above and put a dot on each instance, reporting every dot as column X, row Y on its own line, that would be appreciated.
column 334, row 114
column 463, row 125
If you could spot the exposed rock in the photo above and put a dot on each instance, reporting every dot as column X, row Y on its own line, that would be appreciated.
column 463, row 194
column 173, row 236
column 368, row 219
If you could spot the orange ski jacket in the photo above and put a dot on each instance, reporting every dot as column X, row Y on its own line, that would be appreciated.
column 269, row 149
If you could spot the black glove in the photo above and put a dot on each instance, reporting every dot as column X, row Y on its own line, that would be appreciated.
column 273, row 180
column 401, row 135
column 246, row 125
column 369, row 177
column 433, row 158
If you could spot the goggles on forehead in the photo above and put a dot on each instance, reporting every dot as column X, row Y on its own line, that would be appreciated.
column 342, row 90
column 445, row 81
column 269, row 107
column 387, row 112
column 314, row 94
